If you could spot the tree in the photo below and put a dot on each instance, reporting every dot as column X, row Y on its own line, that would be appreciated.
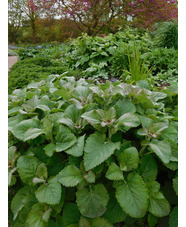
column 15, row 17
column 93, row 15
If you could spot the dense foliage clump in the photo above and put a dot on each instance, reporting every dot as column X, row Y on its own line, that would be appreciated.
column 82, row 154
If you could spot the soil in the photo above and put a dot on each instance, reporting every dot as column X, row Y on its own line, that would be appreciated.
column 11, row 61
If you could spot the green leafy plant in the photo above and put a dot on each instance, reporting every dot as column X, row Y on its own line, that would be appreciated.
column 166, row 34
column 34, row 69
column 138, row 69
column 11, row 53
column 82, row 154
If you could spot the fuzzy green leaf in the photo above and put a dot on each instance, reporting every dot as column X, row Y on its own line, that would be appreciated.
column 27, row 129
column 49, row 193
column 23, row 197
column 129, row 159
column 65, row 139
column 132, row 196
column 158, row 205
column 124, row 106
column 27, row 166
column 97, row 150
column 38, row 216
column 128, row 119
column 70, row 176
column 92, row 203
column 161, row 149
column 77, row 149
column 114, row 172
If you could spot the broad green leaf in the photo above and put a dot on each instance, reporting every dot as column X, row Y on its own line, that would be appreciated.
column 49, row 193
column 27, row 166
column 114, row 213
column 101, row 222
column 50, row 149
column 173, row 221
column 132, row 196
column 129, row 159
column 62, row 92
column 27, row 129
column 175, row 184
column 70, row 214
column 70, row 176
column 114, row 172
column 92, row 117
column 161, row 149
column 38, row 216
column 33, row 133
column 170, row 133
column 97, row 150
column 146, row 121
column 158, row 205
column 128, row 119
column 143, row 84
column 23, row 197
column 92, row 203
column 65, row 139
column 158, row 95
column 124, row 106
column 77, row 149
column 148, row 168
column 72, row 112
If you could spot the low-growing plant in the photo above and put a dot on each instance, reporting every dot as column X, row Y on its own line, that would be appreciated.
column 82, row 154
column 33, row 69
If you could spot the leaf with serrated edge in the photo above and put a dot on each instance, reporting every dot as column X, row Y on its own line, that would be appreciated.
column 161, row 149
column 129, row 159
column 38, row 216
column 49, row 193
column 128, row 119
column 114, row 172
column 92, row 203
column 27, row 166
column 70, row 176
column 158, row 205
column 77, row 149
column 65, row 139
column 22, row 198
column 132, row 196
column 97, row 150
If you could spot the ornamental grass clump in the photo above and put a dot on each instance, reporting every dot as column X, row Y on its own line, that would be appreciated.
column 82, row 154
